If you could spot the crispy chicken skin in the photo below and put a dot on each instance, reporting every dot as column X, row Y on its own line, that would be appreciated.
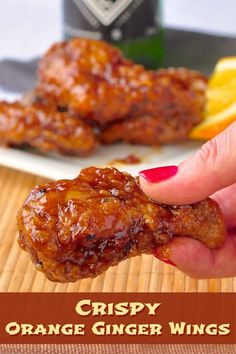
column 91, row 78
column 44, row 128
column 88, row 92
column 170, row 110
column 78, row 228
column 94, row 81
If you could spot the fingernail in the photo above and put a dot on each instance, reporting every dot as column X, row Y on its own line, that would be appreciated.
column 159, row 174
column 160, row 254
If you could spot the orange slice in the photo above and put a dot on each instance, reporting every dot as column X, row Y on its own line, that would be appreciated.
column 220, row 109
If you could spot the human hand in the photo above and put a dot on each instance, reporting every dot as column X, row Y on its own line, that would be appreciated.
column 210, row 172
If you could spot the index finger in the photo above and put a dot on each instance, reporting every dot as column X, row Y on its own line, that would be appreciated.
column 226, row 198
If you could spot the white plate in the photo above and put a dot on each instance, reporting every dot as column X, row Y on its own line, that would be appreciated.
column 60, row 167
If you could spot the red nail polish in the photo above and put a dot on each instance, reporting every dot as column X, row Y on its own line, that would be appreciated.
column 165, row 260
column 159, row 174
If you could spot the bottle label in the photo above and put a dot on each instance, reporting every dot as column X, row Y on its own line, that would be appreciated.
column 112, row 20
column 107, row 11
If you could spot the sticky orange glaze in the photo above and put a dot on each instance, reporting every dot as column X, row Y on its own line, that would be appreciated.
column 78, row 228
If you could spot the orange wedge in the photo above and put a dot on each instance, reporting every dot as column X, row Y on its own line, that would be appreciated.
column 220, row 109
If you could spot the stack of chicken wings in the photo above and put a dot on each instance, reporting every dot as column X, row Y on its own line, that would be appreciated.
column 88, row 94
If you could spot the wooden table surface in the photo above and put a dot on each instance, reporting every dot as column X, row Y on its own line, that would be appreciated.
column 144, row 273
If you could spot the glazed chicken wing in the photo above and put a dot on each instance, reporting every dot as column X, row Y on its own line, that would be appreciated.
column 44, row 128
column 94, row 81
column 169, row 111
column 91, row 78
column 78, row 228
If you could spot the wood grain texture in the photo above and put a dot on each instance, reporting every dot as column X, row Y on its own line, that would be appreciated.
column 144, row 273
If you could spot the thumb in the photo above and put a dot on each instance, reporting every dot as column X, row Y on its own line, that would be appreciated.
column 212, row 168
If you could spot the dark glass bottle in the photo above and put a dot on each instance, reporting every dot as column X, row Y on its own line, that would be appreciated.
column 132, row 25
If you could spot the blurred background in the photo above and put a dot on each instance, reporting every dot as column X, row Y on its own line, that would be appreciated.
column 28, row 27
column 196, row 33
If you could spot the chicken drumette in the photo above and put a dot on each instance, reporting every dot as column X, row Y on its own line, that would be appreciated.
column 78, row 228
column 44, row 128
column 170, row 109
